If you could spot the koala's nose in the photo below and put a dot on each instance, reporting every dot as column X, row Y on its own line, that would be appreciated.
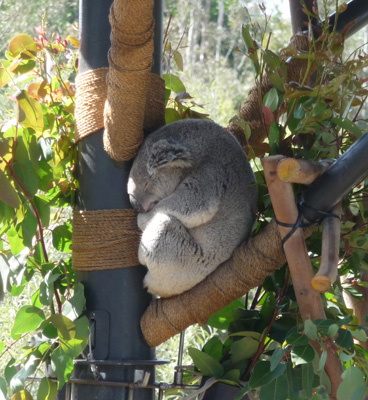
column 135, row 203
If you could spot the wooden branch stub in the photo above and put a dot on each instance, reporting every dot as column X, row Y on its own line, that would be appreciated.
column 327, row 274
column 309, row 301
column 301, row 171
column 283, row 201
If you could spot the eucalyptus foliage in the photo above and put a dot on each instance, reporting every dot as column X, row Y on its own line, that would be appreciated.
column 37, row 186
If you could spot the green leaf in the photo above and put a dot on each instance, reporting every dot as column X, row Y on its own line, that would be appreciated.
column 276, row 357
column 344, row 357
column 28, row 319
column 322, row 361
column 50, row 331
column 307, row 377
column 310, row 329
column 205, row 363
column 24, row 169
column 63, row 366
column 274, row 137
column 345, row 339
column 29, row 228
column 231, row 376
column 171, row 115
column 18, row 380
column 47, row 390
column 293, row 375
column 46, row 293
column 22, row 66
column 276, row 71
column 173, row 82
column 276, row 390
column 15, row 241
column 43, row 209
column 10, row 370
column 3, row 389
column 348, row 125
column 214, row 348
column 62, row 238
column 271, row 99
column 73, row 347
column 262, row 374
column 297, row 339
column 359, row 334
column 64, row 325
column 178, row 60
column 242, row 393
column 243, row 349
column 5, row 74
column 251, row 46
column 74, row 307
column 254, row 335
column 30, row 112
column 352, row 386
column 332, row 330
column 302, row 354
column 222, row 319
column 7, row 193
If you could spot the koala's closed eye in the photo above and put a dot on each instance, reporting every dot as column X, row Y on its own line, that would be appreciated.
column 196, row 194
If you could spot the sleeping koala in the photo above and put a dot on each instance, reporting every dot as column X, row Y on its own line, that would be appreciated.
column 195, row 193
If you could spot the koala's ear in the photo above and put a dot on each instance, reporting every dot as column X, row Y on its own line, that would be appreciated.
column 165, row 153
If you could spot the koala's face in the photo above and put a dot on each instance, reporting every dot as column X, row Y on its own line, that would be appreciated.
column 156, row 172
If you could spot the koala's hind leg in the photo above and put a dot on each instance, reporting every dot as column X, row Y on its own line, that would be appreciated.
column 175, row 261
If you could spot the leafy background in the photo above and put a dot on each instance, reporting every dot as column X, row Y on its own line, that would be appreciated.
column 205, row 55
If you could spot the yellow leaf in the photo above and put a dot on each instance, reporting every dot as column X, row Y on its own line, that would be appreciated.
column 23, row 43
column 73, row 41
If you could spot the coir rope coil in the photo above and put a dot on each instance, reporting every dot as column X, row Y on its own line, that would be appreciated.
column 105, row 239
column 91, row 96
column 130, row 59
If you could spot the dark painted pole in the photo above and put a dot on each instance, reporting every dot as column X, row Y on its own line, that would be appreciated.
column 356, row 13
column 349, row 170
column 115, row 298
column 299, row 19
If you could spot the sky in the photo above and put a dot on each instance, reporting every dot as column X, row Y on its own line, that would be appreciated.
column 282, row 5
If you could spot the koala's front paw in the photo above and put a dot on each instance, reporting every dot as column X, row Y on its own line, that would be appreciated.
column 142, row 220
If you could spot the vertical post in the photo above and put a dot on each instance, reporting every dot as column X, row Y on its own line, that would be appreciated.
column 298, row 18
column 115, row 298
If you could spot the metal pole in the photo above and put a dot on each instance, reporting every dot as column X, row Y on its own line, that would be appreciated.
column 357, row 12
column 350, row 169
column 115, row 298
column 299, row 20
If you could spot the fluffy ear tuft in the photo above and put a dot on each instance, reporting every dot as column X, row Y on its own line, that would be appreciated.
column 168, row 154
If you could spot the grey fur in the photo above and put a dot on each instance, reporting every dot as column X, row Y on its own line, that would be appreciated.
column 196, row 195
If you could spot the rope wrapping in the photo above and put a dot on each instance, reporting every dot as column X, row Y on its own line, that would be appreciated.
column 130, row 59
column 91, row 97
column 105, row 239
column 91, row 93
